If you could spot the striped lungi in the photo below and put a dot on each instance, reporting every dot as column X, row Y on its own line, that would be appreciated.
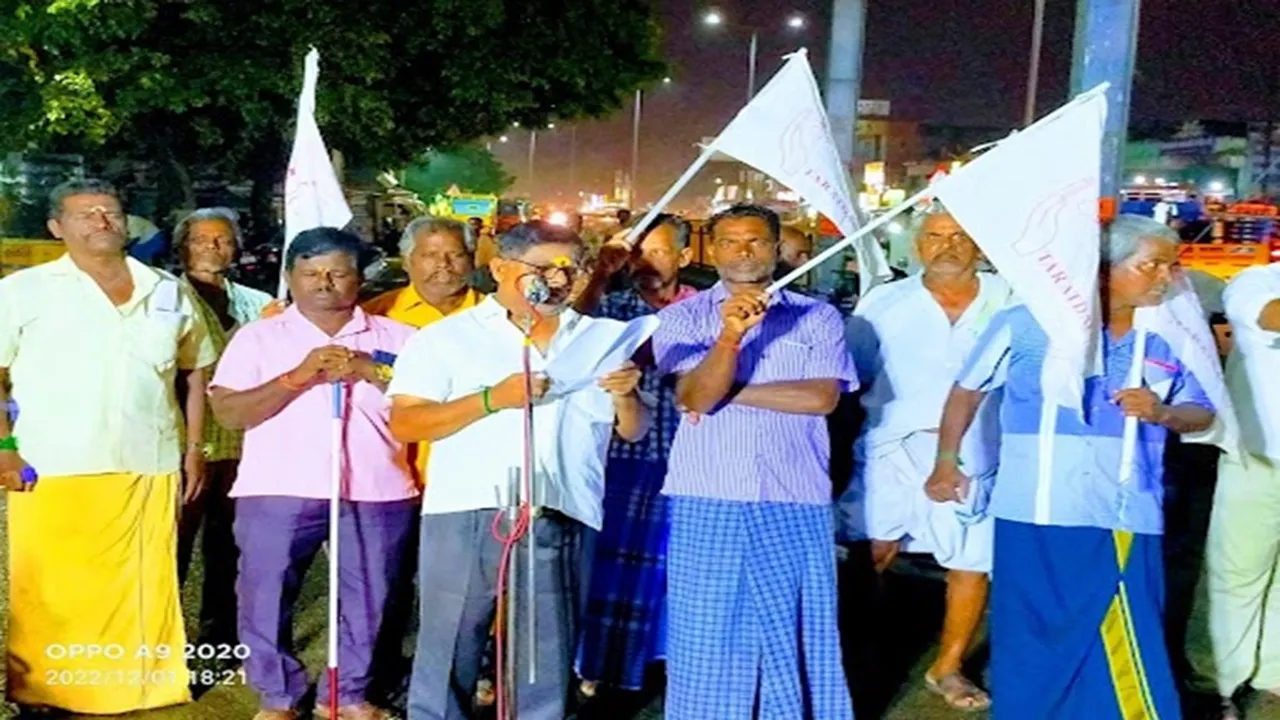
column 752, row 593
column 1076, row 628
column 622, row 626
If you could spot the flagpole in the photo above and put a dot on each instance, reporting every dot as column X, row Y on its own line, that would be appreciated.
column 872, row 226
column 335, row 494
column 670, row 195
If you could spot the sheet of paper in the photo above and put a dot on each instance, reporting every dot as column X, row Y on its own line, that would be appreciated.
column 597, row 351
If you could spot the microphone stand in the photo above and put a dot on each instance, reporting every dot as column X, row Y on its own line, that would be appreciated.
column 523, row 505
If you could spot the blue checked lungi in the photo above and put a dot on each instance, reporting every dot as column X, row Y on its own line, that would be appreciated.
column 623, row 622
column 1076, row 628
column 752, row 593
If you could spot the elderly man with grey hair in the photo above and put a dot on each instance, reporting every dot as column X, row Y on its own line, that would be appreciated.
column 438, row 255
column 951, row 304
column 1076, row 610
column 206, row 242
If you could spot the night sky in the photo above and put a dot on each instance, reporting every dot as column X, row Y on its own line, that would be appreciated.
column 961, row 62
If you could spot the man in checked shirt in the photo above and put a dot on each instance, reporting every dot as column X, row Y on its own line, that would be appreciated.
column 623, row 628
column 751, row 559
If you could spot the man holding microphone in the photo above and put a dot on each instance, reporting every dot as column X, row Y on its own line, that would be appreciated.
column 460, row 385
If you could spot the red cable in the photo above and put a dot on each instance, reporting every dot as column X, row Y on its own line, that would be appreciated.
column 521, row 526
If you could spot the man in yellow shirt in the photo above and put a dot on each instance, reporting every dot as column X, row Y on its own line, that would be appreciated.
column 438, row 256
column 91, row 345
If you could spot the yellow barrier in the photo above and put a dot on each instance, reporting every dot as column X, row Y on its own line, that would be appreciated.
column 16, row 253
column 1223, row 260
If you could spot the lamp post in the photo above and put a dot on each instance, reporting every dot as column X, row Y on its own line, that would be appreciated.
column 715, row 18
column 635, row 143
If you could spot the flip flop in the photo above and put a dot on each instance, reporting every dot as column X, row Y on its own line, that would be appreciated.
column 958, row 692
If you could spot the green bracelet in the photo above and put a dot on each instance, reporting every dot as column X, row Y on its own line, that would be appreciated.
column 948, row 455
column 484, row 397
column 9, row 444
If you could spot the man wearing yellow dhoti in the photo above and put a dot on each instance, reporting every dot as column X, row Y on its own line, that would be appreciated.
column 90, row 346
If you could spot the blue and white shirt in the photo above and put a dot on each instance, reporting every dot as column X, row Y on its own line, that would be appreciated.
column 1082, row 487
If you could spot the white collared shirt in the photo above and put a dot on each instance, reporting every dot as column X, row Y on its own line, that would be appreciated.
column 94, row 382
column 1253, row 368
column 908, row 354
column 472, row 469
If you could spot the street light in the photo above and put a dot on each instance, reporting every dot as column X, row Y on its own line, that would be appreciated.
column 713, row 18
column 635, row 140
column 502, row 138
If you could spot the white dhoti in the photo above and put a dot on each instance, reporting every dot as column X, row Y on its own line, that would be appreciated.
column 886, row 501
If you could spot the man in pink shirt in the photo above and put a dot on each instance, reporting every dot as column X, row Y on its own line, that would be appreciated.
column 274, row 380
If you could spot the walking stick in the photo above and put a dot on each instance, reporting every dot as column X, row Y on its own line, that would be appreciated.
column 335, row 494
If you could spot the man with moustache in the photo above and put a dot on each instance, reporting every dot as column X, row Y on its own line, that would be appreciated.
column 438, row 254
column 949, row 303
column 751, row 557
column 1077, row 602
column 460, row 385
column 206, row 242
column 92, row 345
column 275, row 381
column 623, row 620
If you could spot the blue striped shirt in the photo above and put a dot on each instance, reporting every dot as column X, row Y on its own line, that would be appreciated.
column 750, row 454
column 1082, row 487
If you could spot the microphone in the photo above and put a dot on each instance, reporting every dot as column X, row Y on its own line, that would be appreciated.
column 536, row 291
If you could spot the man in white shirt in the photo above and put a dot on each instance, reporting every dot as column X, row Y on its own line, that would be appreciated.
column 908, row 340
column 459, row 384
column 1239, row 597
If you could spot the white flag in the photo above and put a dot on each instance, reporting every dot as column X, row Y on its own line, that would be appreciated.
column 784, row 133
column 312, row 196
column 1031, row 204
column 1180, row 321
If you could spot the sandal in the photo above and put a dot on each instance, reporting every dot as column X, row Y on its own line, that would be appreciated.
column 958, row 692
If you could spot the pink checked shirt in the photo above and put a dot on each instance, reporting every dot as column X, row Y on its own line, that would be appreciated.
column 290, row 453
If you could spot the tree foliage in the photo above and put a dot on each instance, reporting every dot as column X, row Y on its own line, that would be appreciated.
column 473, row 169
column 214, row 82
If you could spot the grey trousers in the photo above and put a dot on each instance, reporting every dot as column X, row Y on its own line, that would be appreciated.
column 457, row 584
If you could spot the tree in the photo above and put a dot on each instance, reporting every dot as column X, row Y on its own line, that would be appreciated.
column 473, row 169
column 214, row 82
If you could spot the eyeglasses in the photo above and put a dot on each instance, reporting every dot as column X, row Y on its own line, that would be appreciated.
column 556, row 271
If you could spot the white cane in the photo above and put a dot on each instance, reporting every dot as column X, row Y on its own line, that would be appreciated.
column 335, row 495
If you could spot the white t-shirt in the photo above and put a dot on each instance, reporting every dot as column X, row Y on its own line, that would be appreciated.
column 1253, row 368
column 473, row 468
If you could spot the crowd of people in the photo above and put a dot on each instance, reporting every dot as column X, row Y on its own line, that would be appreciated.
column 688, row 507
